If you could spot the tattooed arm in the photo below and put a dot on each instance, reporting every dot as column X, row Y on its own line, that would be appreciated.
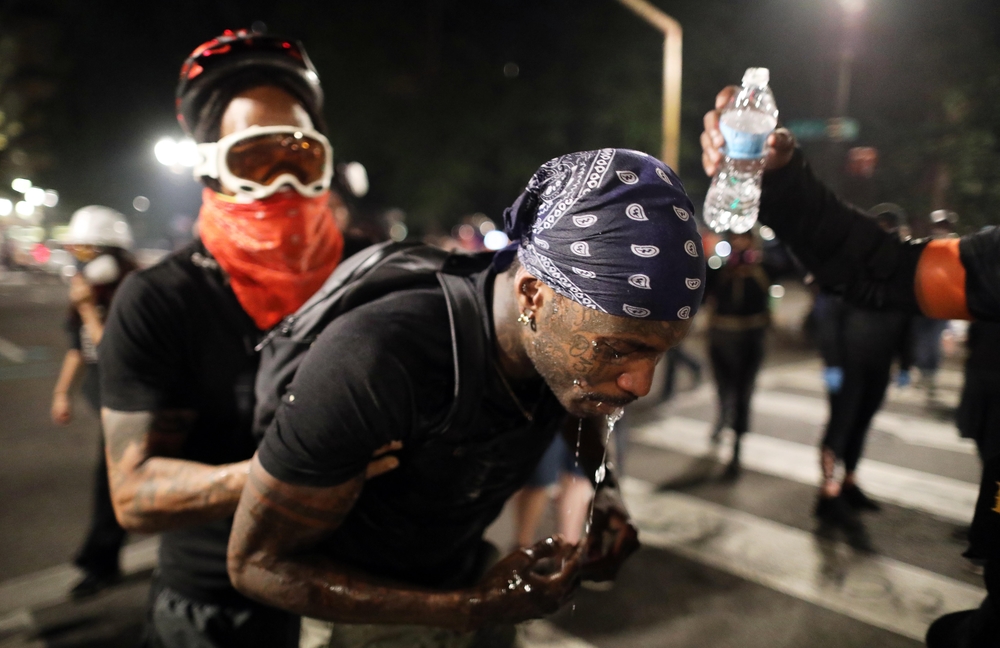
column 154, row 491
column 273, row 557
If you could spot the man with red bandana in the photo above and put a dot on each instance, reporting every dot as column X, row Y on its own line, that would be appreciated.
column 177, row 358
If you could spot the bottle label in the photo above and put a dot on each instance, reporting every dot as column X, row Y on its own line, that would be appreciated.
column 741, row 145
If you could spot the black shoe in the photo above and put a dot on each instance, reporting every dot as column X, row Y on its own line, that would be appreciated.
column 857, row 499
column 834, row 511
column 732, row 470
column 94, row 582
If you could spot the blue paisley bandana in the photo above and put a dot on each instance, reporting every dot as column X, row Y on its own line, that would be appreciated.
column 614, row 231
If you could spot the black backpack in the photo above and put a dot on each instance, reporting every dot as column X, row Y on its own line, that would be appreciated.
column 372, row 273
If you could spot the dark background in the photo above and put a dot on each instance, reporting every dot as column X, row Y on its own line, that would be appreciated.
column 416, row 91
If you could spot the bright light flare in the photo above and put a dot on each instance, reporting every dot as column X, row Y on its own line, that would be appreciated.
column 723, row 249
column 20, row 185
column 51, row 198
column 35, row 196
column 173, row 153
column 853, row 7
column 495, row 240
column 6, row 207
column 24, row 209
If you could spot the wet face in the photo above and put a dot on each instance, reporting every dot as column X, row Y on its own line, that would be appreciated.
column 593, row 362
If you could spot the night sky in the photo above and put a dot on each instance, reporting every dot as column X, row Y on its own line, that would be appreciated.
column 416, row 90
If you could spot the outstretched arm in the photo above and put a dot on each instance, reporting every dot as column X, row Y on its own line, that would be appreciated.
column 274, row 558
column 850, row 254
column 154, row 491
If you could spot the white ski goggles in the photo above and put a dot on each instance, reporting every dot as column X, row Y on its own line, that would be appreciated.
column 254, row 163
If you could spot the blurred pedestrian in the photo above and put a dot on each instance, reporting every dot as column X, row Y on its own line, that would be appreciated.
column 178, row 361
column 678, row 357
column 101, row 241
column 558, row 477
column 858, row 346
column 739, row 315
column 978, row 415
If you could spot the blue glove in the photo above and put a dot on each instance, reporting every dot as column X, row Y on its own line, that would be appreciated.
column 903, row 379
column 834, row 379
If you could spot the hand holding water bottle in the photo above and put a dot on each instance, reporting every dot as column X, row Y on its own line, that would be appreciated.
column 779, row 147
column 745, row 122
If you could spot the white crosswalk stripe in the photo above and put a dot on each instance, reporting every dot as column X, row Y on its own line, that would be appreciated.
column 948, row 498
column 908, row 429
column 876, row 590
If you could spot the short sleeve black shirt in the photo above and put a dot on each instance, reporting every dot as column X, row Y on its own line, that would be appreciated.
column 177, row 338
column 384, row 372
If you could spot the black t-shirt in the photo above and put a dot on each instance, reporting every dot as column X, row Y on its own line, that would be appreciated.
column 384, row 372
column 79, row 339
column 177, row 338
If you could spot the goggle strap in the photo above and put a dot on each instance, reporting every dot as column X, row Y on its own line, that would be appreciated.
column 208, row 165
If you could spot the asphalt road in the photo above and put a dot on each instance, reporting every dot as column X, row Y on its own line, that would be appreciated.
column 725, row 562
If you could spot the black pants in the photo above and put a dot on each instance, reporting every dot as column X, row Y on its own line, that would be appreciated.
column 853, row 407
column 736, row 358
column 677, row 356
column 99, row 553
column 176, row 621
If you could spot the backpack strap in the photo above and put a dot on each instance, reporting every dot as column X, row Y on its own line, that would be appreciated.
column 468, row 346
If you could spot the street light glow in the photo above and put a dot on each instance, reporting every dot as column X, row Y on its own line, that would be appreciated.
column 172, row 153
column 852, row 6
column 166, row 151
column 51, row 198
column 24, row 209
column 20, row 185
column 35, row 196
column 6, row 207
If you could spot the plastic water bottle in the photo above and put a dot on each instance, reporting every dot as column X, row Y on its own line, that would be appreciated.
column 734, row 197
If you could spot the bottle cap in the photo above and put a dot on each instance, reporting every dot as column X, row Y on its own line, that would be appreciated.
column 757, row 76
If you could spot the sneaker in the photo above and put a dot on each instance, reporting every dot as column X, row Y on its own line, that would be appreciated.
column 92, row 583
column 857, row 499
column 834, row 511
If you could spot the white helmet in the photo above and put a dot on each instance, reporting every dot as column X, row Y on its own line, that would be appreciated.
column 101, row 226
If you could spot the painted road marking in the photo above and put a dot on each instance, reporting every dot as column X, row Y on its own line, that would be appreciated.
column 942, row 496
column 51, row 586
column 873, row 589
column 908, row 429
column 12, row 352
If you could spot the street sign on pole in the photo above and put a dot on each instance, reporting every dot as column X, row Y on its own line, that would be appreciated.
column 837, row 129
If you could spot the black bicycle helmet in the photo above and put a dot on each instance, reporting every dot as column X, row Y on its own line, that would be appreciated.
column 223, row 67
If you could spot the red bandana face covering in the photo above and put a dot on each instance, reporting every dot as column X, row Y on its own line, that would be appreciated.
column 277, row 251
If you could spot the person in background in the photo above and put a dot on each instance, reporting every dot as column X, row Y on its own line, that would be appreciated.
column 858, row 346
column 677, row 357
column 558, row 470
column 739, row 314
column 101, row 241
column 927, row 331
column 978, row 416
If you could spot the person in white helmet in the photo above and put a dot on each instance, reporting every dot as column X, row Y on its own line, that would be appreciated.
column 101, row 241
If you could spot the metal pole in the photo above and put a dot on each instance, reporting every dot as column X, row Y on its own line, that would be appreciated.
column 673, row 37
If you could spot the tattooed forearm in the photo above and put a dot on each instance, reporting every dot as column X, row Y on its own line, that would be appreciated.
column 273, row 558
column 152, row 491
